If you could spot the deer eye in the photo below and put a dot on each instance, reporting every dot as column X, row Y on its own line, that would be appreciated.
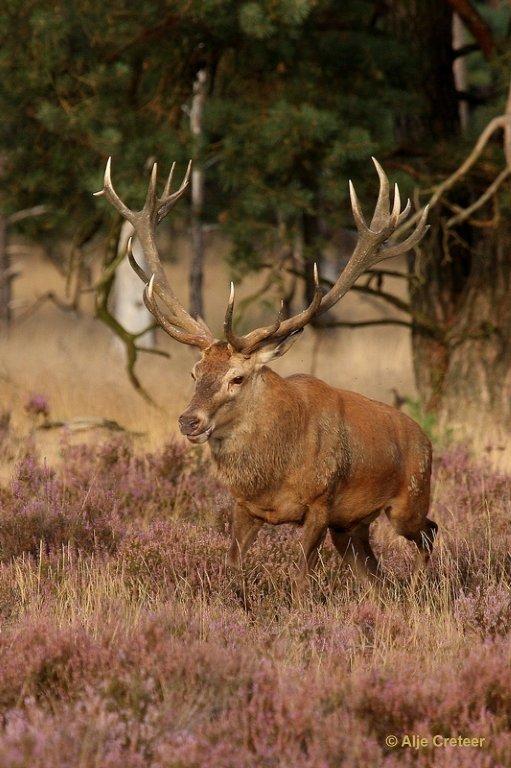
column 192, row 375
column 237, row 380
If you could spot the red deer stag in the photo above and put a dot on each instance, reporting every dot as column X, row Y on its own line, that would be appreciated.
column 295, row 450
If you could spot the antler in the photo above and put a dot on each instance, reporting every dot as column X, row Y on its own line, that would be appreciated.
column 368, row 252
column 178, row 323
column 253, row 339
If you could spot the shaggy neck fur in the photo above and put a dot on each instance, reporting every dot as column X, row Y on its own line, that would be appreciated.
column 263, row 440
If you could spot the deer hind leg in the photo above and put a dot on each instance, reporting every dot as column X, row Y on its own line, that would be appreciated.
column 244, row 532
column 409, row 518
column 355, row 549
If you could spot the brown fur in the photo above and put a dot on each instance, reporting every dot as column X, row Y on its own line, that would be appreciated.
column 296, row 450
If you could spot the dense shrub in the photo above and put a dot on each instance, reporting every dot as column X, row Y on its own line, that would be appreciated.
column 97, row 494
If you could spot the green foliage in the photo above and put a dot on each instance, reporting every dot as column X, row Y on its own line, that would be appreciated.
column 302, row 93
column 428, row 420
column 300, row 98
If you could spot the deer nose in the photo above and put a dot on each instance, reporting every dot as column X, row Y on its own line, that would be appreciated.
column 189, row 423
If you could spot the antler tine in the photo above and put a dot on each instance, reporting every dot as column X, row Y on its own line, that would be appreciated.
column 150, row 199
column 251, row 340
column 404, row 213
column 234, row 341
column 298, row 322
column 396, row 208
column 111, row 195
column 380, row 218
column 412, row 240
column 280, row 328
column 262, row 334
column 168, row 200
column 168, row 183
column 356, row 209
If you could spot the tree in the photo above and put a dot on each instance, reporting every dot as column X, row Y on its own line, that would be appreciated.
column 460, row 316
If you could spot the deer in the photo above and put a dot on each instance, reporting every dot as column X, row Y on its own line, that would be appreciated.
column 295, row 450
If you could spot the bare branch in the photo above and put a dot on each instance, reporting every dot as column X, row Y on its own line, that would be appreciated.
column 475, row 24
column 26, row 213
column 500, row 122
column 367, row 323
column 52, row 298
column 465, row 213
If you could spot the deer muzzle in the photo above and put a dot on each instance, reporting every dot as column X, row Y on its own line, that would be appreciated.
column 195, row 426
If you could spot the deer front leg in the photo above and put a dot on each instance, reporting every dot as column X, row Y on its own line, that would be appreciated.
column 314, row 532
column 244, row 532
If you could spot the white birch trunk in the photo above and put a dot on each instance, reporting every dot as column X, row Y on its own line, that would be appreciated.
column 197, row 265
column 127, row 305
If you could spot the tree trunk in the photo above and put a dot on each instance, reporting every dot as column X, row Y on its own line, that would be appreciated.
column 466, row 378
column 454, row 291
column 128, row 307
column 197, row 265
column 463, row 370
column 426, row 26
column 5, row 277
column 479, row 372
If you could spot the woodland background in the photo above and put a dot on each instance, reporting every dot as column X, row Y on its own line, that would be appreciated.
column 278, row 103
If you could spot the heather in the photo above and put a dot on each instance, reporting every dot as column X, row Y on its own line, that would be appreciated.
column 126, row 640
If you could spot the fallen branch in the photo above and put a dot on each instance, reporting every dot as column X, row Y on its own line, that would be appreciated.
column 86, row 423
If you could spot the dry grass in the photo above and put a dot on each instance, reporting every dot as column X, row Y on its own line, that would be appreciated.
column 127, row 642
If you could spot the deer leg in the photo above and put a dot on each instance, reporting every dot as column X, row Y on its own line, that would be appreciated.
column 314, row 532
column 356, row 551
column 244, row 532
column 423, row 540
column 408, row 517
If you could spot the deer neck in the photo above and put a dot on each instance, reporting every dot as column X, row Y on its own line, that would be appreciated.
column 253, row 453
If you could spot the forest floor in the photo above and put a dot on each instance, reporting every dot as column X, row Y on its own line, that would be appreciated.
column 126, row 642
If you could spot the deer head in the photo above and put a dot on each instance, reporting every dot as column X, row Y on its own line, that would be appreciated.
column 228, row 372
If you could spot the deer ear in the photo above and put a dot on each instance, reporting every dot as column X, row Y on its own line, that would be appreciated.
column 276, row 348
